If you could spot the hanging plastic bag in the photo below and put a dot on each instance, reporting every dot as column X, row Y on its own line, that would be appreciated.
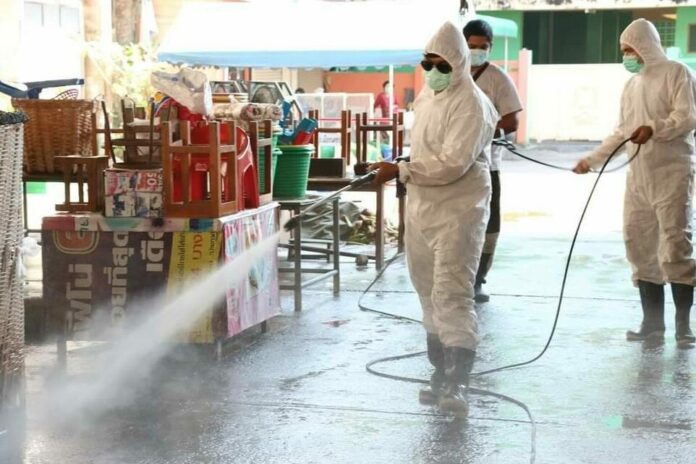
column 188, row 87
column 28, row 249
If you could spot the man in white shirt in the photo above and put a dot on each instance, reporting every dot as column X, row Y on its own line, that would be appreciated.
column 499, row 88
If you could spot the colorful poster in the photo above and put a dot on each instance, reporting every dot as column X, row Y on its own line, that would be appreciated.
column 194, row 254
column 258, row 293
column 100, row 277
column 105, row 279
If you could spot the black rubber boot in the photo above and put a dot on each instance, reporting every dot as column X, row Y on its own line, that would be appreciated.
column 652, row 300
column 683, row 296
column 458, row 365
column 479, row 295
column 436, row 356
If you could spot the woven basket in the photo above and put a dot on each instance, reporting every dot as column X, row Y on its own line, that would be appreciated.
column 56, row 128
column 11, row 297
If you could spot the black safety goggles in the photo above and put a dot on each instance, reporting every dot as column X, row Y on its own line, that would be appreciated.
column 443, row 66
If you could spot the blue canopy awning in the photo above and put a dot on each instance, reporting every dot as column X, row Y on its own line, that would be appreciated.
column 309, row 34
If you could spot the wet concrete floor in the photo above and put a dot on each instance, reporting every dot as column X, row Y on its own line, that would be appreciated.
column 300, row 393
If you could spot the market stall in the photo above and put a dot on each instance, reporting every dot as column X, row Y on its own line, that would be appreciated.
column 99, row 271
column 181, row 187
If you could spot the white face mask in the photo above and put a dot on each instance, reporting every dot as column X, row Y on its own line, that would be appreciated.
column 479, row 57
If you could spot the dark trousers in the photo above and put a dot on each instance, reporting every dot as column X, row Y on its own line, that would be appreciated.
column 494, row 219
column 492, row 230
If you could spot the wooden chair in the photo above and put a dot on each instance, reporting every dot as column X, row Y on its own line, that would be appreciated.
column 85, row 171
column 221, row 199
column 365, row 126
column 345, row 130
column 262, row 148
column 138, row 152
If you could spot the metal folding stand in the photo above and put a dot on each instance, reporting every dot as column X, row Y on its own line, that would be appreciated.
column 297, row 207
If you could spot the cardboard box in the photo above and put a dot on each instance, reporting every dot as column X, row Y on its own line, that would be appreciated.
column 133, row 193
column 149, row 181
column 120, row 205
column 117, row 181
column 148, row 204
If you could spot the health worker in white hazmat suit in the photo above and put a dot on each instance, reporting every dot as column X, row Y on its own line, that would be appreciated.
column 658, row 112
column 449, row 189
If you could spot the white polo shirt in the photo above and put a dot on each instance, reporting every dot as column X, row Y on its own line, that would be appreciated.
column 500, row 89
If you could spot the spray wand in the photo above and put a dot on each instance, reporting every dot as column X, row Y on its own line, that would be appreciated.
column 357, row 182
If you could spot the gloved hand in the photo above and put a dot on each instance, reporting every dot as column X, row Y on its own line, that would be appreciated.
column 583, row 167
column 642, row 135
column 386, row 171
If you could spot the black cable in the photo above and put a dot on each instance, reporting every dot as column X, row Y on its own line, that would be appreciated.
column 566, row 270
column 563, row 283
column 513, row 149
column 475, row 391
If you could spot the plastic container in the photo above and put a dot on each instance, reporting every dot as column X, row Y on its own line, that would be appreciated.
column 262, row 168
column 275, row 152
column 386, row 151
column 292, row 171
column 305, row 132
column 327, row 151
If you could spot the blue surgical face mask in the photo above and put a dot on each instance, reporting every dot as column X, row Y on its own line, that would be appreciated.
column 479, row 57
column 437, row 80
column 632, row 64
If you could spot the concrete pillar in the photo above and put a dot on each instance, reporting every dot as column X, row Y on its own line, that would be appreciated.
column 126, row 21
column 524, row 66
column 97, row 16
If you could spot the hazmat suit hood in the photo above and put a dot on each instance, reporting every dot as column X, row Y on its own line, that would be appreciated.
column 448, row 42
column 642, row 36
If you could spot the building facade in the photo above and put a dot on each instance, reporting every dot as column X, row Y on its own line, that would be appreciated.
column 587, row 31
column 575, row 76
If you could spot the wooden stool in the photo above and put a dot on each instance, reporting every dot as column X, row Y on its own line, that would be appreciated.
column 363, row 126
column 83, row 170
column 138, row 152
column 345, row 130
column 221, row 165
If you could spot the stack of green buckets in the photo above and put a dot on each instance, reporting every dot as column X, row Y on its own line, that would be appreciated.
column 292, row 171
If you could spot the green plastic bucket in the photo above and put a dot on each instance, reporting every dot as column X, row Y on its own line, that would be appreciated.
column 292, row 171
column 275, row 152
column 262, row 168
column 276, row 131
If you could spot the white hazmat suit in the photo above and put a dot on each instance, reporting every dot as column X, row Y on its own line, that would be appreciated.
column 449, row 189
column 657, row 204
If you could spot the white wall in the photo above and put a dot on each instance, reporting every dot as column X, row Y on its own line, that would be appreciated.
column 276, row 74
column 310, row 79
column 574, row 102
